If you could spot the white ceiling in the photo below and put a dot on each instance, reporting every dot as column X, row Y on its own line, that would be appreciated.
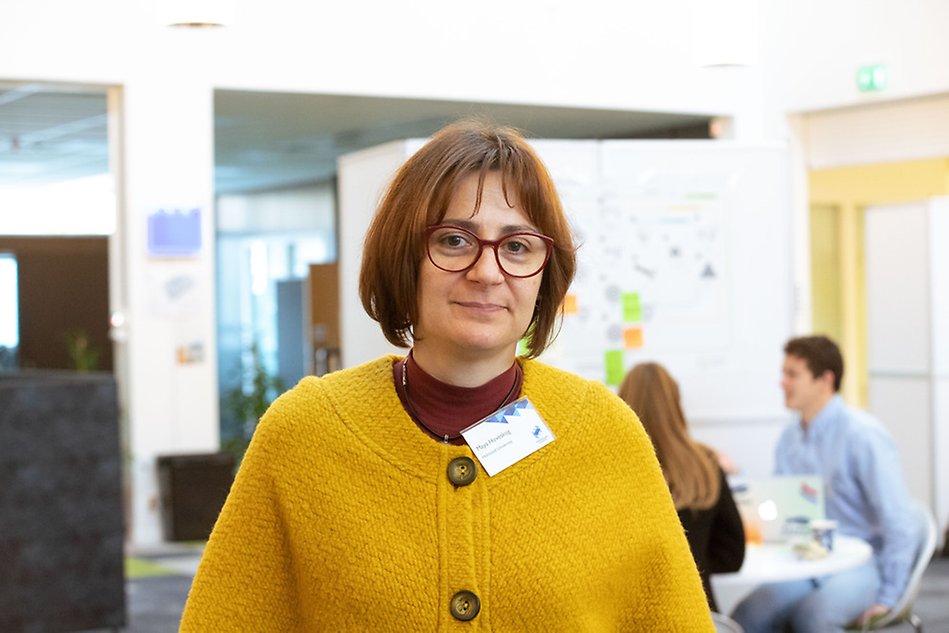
column 271, row 140
column 48, row 136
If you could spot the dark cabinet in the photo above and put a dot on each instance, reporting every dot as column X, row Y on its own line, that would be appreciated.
column 192, row 489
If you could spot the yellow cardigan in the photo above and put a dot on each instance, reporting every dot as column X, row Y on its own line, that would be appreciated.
column 342, row 518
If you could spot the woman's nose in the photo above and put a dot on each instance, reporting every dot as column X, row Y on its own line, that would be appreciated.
column 486, row 268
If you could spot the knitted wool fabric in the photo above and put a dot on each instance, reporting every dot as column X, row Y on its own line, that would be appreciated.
column 342, row 518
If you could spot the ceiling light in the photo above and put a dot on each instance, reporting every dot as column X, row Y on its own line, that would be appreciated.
column 197, row 13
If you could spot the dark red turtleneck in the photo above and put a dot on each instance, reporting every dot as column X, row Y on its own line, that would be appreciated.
column 440, row 409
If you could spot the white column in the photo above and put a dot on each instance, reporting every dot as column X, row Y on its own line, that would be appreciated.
column 803, row 320
column 169, row 343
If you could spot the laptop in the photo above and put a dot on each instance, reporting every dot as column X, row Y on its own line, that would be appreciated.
column 777, row 509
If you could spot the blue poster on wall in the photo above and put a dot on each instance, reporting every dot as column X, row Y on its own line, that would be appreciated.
column 174, row 232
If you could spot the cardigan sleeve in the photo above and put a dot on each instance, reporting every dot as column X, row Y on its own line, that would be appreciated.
column 670, row 596
column 244, row 581
column 726, row 546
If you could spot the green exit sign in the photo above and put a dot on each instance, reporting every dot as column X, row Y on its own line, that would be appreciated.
column 871, row 78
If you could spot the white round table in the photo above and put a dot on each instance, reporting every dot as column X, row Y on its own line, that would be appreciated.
column 776, row 562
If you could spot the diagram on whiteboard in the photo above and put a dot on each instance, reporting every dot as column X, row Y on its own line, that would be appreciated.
column 684, row 252
column 651, row 279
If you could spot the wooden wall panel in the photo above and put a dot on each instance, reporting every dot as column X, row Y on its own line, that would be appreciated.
column 63, row 284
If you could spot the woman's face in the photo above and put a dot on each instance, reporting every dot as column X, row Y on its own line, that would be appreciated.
column 479, row 313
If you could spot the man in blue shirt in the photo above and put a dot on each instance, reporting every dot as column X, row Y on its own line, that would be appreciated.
column 865, row 494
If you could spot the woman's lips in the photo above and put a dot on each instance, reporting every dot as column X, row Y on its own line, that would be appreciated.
column 484, row 307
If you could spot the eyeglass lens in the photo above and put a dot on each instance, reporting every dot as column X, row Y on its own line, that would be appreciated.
column 519, row 254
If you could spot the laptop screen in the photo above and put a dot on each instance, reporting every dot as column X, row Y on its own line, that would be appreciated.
column 778, row 508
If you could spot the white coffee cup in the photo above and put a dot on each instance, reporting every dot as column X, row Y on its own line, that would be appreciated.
column 822, row 530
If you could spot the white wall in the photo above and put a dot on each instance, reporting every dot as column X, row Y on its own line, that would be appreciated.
column 635, row 56
column 910, row 129
column 813, row 49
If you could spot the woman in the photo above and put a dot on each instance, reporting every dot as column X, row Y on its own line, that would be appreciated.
column 698, row 485
column 360, row 506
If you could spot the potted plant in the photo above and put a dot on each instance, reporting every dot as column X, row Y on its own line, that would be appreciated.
column 248, row 401
column 82, row 356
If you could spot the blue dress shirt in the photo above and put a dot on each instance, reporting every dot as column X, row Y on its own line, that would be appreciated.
column 863, row 483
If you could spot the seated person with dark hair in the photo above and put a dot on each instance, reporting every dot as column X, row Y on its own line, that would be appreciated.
column 866, row 495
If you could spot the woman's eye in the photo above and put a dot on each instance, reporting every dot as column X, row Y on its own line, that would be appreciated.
column 455, row 240
column 515, row 247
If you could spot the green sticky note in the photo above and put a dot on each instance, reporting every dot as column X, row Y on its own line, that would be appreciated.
column 614, row 367
column 632, row 308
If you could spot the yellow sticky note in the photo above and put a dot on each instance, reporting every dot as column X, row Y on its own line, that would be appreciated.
column 632, row 307
column 633, row 337
column 613, row 360
column 570, row 304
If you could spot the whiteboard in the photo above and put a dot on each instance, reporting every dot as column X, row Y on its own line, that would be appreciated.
column 718, row 321
column 684, row 258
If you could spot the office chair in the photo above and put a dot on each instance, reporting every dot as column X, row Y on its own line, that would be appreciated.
column 902, row 611
column 724, row 624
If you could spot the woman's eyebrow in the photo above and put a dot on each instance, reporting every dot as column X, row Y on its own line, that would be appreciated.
column 505, row 230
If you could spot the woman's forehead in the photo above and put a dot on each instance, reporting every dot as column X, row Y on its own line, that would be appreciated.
column 471, row 193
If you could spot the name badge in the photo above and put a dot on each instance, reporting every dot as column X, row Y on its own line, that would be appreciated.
column 507, row 436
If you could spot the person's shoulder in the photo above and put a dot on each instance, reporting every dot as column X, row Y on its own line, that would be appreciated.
column 313, row 392
column 857, row 416
column 574, row 397
column 865, row 428
column 367, row 375
column 586, row 416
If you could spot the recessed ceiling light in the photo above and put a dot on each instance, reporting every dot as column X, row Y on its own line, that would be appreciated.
column 197, row 13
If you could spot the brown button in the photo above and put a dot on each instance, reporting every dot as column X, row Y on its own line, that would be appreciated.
column 465, row 606
column 462, row 471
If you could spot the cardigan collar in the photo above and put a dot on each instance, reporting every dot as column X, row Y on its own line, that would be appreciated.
column 373, row 412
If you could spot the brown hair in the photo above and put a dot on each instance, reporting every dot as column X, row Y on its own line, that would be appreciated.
column 418, row 197
column 820, row 353
column 690, row 468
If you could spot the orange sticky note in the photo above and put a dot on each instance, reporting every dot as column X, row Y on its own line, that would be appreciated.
column 570, row 304
column 633, row 337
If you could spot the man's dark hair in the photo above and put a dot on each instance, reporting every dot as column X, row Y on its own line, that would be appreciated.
column 820, row 353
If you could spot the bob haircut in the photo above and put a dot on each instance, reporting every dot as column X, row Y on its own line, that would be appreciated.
column 690, row 468
column 418, row 197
